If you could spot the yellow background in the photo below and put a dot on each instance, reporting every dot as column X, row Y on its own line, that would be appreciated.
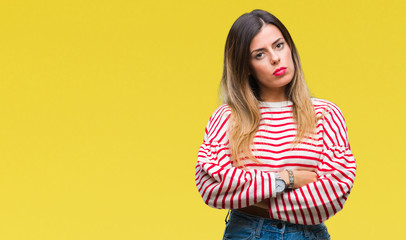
column 103, row 106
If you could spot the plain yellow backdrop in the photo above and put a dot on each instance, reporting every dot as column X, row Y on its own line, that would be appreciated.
column 103, row 106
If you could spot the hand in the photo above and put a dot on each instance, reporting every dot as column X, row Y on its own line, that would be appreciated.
column 302, row 177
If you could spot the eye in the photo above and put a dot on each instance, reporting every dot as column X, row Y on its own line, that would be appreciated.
column 259, row 55
column 280, row 45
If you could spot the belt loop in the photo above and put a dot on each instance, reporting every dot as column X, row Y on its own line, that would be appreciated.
column 306, row 231
column 228, row 213
column 259, row 228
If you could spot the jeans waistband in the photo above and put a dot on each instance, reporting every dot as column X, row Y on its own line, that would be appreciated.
column 243, row 223
column 271, row 224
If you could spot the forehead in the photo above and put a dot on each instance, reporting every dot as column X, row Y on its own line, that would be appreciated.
column 266, row 36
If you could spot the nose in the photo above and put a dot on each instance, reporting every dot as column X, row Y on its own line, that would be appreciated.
column 275, row 59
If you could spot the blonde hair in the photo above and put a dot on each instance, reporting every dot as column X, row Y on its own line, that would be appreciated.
column 240, row 91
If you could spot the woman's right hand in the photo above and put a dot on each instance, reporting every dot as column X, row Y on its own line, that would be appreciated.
column 301, row 177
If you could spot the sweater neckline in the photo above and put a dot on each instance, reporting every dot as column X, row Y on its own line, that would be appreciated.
column 276, row 104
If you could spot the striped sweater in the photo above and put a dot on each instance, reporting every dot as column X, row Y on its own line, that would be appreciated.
column 222, row 185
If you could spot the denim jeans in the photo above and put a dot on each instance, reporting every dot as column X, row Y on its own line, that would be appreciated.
column 245, row 226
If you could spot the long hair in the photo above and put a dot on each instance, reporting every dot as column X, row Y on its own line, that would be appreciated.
column 240, row 90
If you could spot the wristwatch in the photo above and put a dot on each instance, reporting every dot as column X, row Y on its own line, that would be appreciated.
column 280, row 184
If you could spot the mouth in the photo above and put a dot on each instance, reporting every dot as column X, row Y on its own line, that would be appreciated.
column 279, row 71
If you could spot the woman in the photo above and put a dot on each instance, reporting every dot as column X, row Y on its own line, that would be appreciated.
column 277, row 157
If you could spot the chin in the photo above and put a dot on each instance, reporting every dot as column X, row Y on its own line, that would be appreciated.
column 285, row 81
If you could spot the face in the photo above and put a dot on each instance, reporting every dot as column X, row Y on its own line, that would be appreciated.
column 271, row 63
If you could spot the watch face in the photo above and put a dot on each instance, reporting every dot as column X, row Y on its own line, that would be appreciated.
column 280, row 185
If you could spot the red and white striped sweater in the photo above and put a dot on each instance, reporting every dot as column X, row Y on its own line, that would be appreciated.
column 223, row 186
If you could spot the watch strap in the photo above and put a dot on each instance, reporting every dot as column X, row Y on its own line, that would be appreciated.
column 291, row 179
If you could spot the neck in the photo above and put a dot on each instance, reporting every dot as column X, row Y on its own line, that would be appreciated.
column 278, row 95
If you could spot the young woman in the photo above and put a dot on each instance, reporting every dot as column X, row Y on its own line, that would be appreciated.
column 277, row 157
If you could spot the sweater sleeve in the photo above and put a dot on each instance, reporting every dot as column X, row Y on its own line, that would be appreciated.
column 318, row 201
column 219, row 183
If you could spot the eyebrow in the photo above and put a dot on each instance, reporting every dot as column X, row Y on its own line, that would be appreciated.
column 260, row 49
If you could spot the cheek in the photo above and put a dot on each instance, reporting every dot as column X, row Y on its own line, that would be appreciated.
column 289, row 57
column 289, row 62
column 258, row 68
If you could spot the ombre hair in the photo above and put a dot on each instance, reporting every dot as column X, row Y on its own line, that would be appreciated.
column 240, row 90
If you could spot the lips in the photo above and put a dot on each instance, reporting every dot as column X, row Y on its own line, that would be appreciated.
column 279, row 71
